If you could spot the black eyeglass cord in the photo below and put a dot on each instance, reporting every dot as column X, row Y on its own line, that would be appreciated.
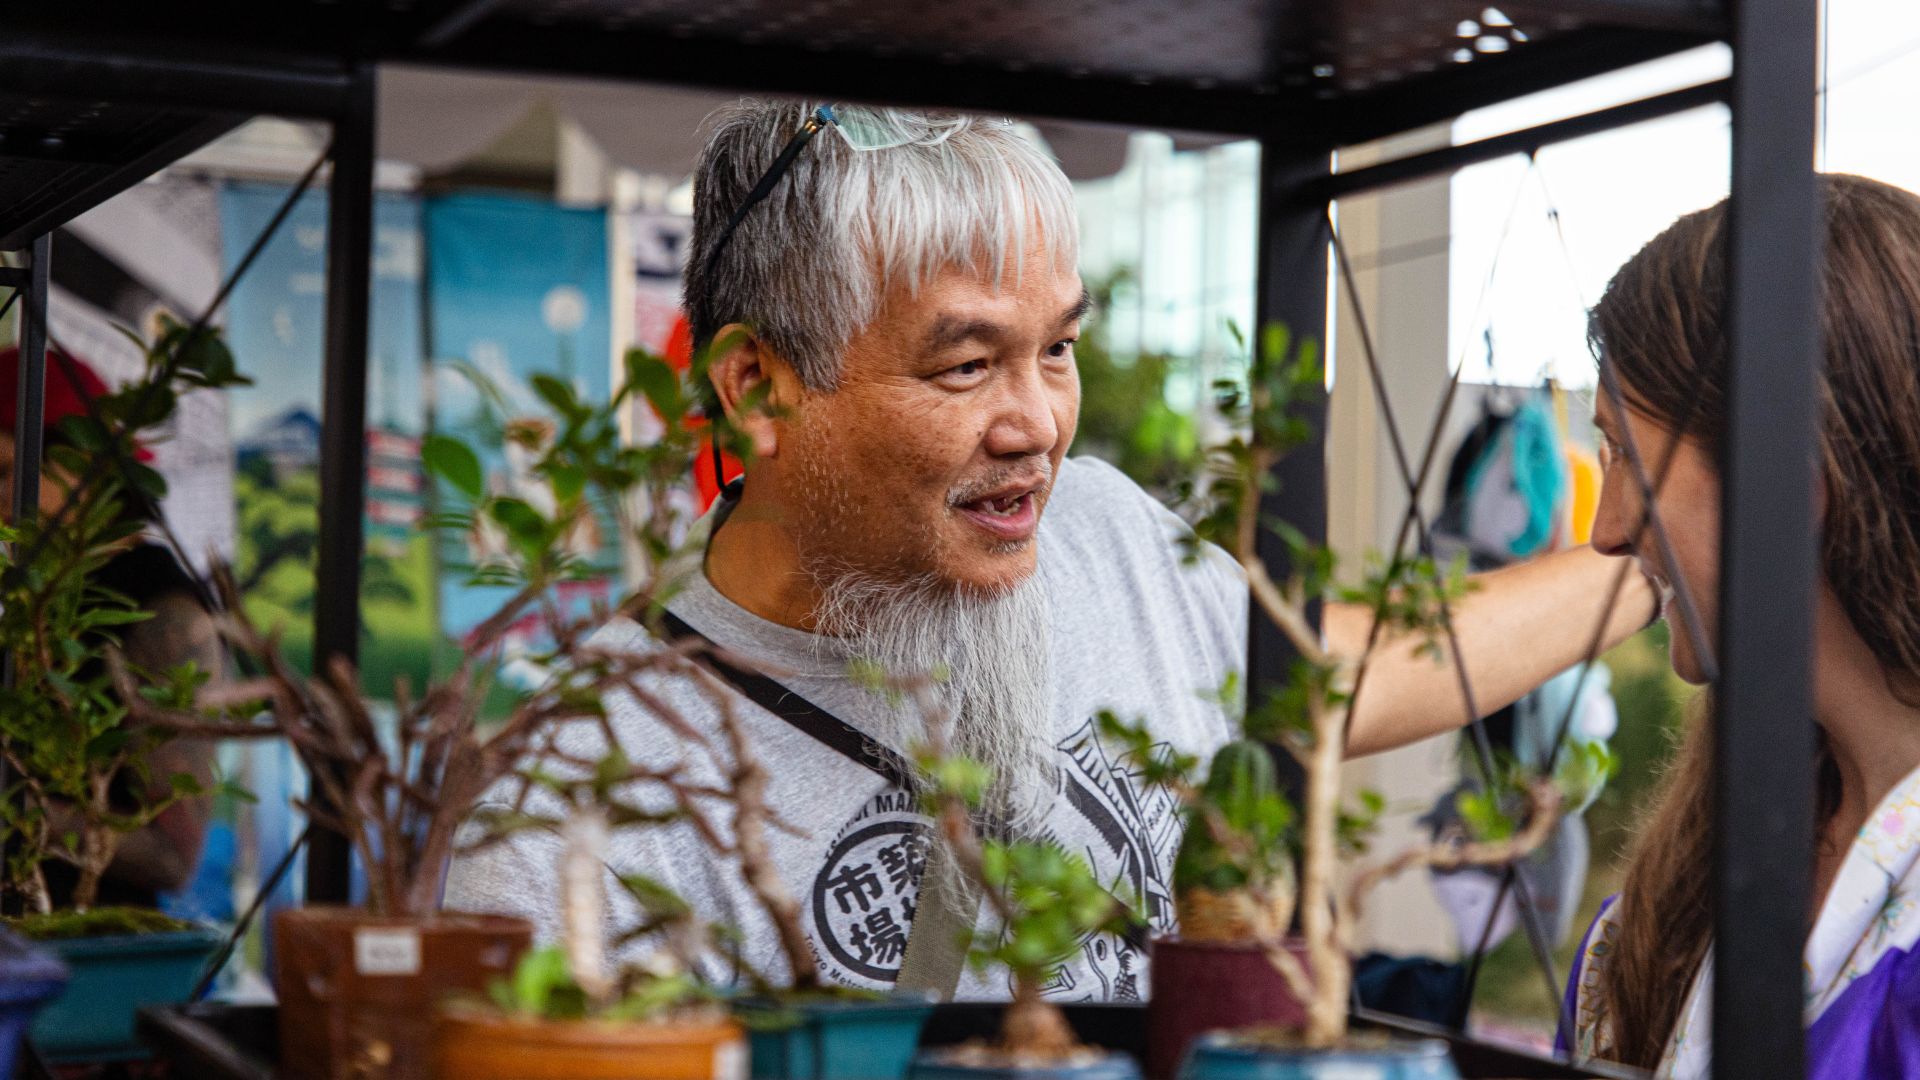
column 821, row 117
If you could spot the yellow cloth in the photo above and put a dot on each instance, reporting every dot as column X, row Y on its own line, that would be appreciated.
column 1583, row 466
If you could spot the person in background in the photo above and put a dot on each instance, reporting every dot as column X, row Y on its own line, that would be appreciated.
column 1642, row 984
column 160, row 858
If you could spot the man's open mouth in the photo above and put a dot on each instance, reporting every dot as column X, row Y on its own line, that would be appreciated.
column 1006, row 506
column 1008, row 514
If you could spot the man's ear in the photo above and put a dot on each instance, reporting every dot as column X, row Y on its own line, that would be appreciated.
column 752, row 384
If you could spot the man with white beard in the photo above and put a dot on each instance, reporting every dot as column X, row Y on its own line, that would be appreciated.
column 901, row 289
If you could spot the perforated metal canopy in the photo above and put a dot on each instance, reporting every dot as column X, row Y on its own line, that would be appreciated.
column 94, row 94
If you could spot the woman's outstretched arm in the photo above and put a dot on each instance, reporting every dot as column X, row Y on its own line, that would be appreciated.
column 1519, row 627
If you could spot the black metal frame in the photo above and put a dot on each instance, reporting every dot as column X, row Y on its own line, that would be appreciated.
column 1763, row 803
column 1764, row 734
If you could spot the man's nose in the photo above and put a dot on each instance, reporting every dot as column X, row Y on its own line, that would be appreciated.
column 1023, row 423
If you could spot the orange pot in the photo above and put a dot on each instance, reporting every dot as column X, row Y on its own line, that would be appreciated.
column 471, row 1046
column 358, row 992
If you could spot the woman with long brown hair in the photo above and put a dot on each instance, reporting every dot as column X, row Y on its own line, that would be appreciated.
column 1640, row 989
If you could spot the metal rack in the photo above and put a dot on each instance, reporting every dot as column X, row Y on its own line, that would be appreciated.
column 95, row 95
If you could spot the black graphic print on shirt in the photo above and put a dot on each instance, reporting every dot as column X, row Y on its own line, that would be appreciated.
column 864, row 896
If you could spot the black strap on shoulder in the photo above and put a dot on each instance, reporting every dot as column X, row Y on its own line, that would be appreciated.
column 825, row 728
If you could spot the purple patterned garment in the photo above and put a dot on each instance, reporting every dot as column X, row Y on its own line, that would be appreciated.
column 1872, row 1030
column 1862, row 965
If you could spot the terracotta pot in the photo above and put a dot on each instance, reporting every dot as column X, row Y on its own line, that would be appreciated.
column 358, row 992
column 1199, row 987
column 481, row 1047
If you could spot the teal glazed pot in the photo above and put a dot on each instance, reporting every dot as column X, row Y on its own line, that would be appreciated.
column 833, row 1040
column 29, row 978
column 931, row 1066
column 111, row 978
column 1224, row 1056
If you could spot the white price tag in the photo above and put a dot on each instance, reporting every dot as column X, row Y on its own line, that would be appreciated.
column 386, row 951
column 730, row 1060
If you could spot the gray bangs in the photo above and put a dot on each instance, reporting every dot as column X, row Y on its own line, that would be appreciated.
column 809, row 267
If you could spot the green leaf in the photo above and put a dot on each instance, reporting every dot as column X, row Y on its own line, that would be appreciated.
column 84, row 433
column 538, row 975
column 558, row 395
column 147, row 481
column 456, row 463
column 658, row 381
column 568, row 482
column 518, row 517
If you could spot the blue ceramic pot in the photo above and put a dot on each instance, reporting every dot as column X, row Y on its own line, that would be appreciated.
column 833, row 1040
column 1106, row 1067
column 1223, row 1056
column 112, row 977
column 29, row 978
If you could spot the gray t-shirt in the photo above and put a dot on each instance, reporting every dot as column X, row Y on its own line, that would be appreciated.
column 1133, row 630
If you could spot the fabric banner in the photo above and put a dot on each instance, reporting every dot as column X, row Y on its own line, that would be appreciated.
column 517, row 287
column 276, row 325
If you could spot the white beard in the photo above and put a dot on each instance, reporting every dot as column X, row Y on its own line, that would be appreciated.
column 993, row 653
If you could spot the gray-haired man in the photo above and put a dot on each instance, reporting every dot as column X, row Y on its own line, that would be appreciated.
column 906, row 295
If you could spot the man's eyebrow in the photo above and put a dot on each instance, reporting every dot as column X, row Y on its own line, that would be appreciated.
column 949, row 330
column 1081, row 309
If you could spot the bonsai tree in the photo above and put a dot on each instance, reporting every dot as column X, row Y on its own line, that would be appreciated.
column 400, row 800
column 1234, row 876
column 1044, row 899
column 576, row 979
column 81, row 767
column 587, row 798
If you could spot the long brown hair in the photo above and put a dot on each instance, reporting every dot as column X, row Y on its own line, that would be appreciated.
column 1661, row 328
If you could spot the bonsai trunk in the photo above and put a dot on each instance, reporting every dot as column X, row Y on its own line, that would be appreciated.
column 1326, row 958
column 35, row 887
column 98, row 843
column 750, row 822
column 1034, row 1026
column 583, row 904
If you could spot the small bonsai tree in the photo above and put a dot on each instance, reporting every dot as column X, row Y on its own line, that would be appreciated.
column 576, row 978
column 1045, row 900
column 81, row 767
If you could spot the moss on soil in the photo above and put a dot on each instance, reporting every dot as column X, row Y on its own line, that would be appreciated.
column 97, row 922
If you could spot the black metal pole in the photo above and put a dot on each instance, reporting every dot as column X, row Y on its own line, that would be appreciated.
column 1291, row 290
column 28, row 430
column 343, row 437
column 1449, row 159
column 1763, row 735
column 30, row 412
